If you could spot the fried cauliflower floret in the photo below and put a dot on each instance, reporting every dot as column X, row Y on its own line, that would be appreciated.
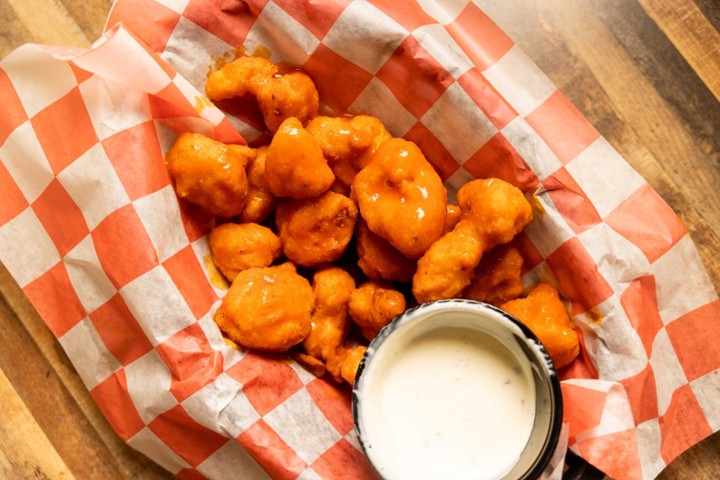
column 494, row 211
column 544, row 314
column 260, row 200
column 208, row 173
column 344, row 365
column 379, row 260
column 348, row 144
column 318, row 230
column 239, row 77
column 373, row 305
column 279, row 96
column 332, row 287
column 294, row 165
column 290, row 95
column 401, row 197
column 267, row 309
column 237, row 247
column 498, row 277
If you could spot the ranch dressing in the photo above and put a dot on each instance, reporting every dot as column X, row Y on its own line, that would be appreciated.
column 450, row 403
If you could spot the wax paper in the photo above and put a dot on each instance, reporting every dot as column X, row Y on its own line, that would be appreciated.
column 117, row 267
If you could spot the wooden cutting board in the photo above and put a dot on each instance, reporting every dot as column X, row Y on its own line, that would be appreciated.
column 646, row 73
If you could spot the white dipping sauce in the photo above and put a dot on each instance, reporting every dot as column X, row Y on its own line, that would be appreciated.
column 451, row 403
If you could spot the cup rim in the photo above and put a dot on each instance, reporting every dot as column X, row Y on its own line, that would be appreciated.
column 550, row 370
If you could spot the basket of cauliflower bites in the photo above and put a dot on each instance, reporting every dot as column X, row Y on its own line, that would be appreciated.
column 250, row 191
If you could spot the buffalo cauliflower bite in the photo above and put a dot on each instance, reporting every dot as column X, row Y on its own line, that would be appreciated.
column 318, row 230
column 348, row 144
column 267, row 309
column 294, row 165
column 498, row 277
column 260, row 200
column 373, row 305
column 493, row 212
column 237, row 247
column 451, row 218
column 401, row 197
column 544, row 314
column 344, row 365
column 208, row 173
column 330, row 323
column 280, row 95
column 379, row 260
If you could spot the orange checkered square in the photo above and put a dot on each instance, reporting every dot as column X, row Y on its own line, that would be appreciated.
column 682, row 425
column 495, row 107
column 530, row 254
column 653, row 232
column 123, row 246
column 343, row 460
column 229, row 23
column 65, row 130
column 111, row 395
column 267, row 382
column 565, row 130
column 55, row 300
column 318, row 18
column 497, row 158
column 80, row 74
column 154, row 25
column 433, row 149
column 171, row 103
column 268, row 448
column 61, row 217
column 583, row 407
column 13, row 111
column 694, row 338
column 328, row 70
column 571, row 201
column 13, row 200
column 136, row 156
column 641, row 390
column 408, row 14
column 333, row 402
column 120, row 331
column 639, row 301
column 616, row 452
column 578, row 276
column 190, row 279
column 481, row 40
column 175, row 427
column 414, row 76
column 191, row 359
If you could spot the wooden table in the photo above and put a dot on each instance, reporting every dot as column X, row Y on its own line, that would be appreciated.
column 646, row 73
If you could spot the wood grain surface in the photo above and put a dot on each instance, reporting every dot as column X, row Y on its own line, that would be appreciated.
column 646, row 73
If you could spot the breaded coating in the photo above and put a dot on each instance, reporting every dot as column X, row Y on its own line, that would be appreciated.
column 332, row 287
column 348, row 144
column 260, row 200
column 544, row 314
column 498, row 277
column 295, row 166
column 451, row 218
column 279, row 96
column 237, row 247
column 401, row 197
column 208, row 173
column 318, row 230
column 346, row 362
column 379, row 260
column 290, row 95
column 494, row 211
column 267, row 309
column 246, row 154
column 373, row 305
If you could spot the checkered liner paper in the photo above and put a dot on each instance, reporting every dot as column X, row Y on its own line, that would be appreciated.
column 93, row 233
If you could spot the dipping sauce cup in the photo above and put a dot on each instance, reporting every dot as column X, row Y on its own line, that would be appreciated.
column 457, row 389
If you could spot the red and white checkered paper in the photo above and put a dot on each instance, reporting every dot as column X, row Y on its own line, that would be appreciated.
column 92, row 231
